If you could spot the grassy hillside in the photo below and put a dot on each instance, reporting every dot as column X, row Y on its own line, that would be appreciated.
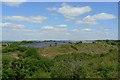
column 90, row 48
column 73, row 60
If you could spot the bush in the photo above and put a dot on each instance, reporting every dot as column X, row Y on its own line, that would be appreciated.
column 111, row 50
column 22, row 49
column 13, row 47
column 5, row 50
column 26, row 68
column 105, row 70
column 40, row 74
column 113, row 43
column 67, row 66
column 66, row 69
column 32, row 52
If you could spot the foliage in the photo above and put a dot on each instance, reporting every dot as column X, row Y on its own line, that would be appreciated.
column 31, row 52
column 68, row 68
column 25, row 68
column 82, row 65
column 70, row 63
column 11, row 48
column 22, row 49
column 24, row 42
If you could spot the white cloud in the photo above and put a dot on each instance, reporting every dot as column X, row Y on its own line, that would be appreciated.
column 92, row 20
column 33, row 19
column 104, row 29
column 71, row 11
column 55, row 32
column 75, row 30
column 81, row 30
column 12, row 25
column 55, row 28
column 15, row 27
column 13, row 31
column 101, row 16
column 52, row 9
column 13, row 3
column 19, row 34
column 86, row 22
column 61, row 28
column 86, row 29
column 24, row 30
column 63, row 25
column 88, row 34
column 48, row 28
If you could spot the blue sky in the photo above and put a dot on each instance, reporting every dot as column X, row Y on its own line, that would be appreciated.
column 59, row 20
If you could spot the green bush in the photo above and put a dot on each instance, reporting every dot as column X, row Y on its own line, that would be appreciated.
column 68, row 69
column 22, row 49
column 105, row 69
column 13, row 47
column 66, row 66
column 113, row 43
column 26, row 68
column 32, row 52
column 40, row 74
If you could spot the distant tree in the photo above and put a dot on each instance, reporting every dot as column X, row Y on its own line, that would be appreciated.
column 108, row 41
column 80, row 41
column 93, row 42
column 70, row 42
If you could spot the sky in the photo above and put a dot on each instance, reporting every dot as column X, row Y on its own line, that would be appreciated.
column 59, row 20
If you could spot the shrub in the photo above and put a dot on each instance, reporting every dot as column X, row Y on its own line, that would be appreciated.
column 66, row 69
column 40, row 74
column 13, row 47
column 105, row 70
column 5, row 50
column 68, row 66
column 25, row 68
column 111, row 50
column 113, row 43
column 32, row 52
column 102, row 55
column 22, row 49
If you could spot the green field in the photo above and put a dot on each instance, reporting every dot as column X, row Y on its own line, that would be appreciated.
column 74, row 60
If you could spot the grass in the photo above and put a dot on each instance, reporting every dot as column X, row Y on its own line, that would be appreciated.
column 90, row 48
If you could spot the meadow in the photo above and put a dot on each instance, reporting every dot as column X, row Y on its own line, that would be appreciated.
column 98, row 59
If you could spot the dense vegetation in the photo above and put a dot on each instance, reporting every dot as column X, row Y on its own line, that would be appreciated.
column 74, row 60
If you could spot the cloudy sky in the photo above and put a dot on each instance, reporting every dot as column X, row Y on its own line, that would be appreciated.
column 59, row 21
